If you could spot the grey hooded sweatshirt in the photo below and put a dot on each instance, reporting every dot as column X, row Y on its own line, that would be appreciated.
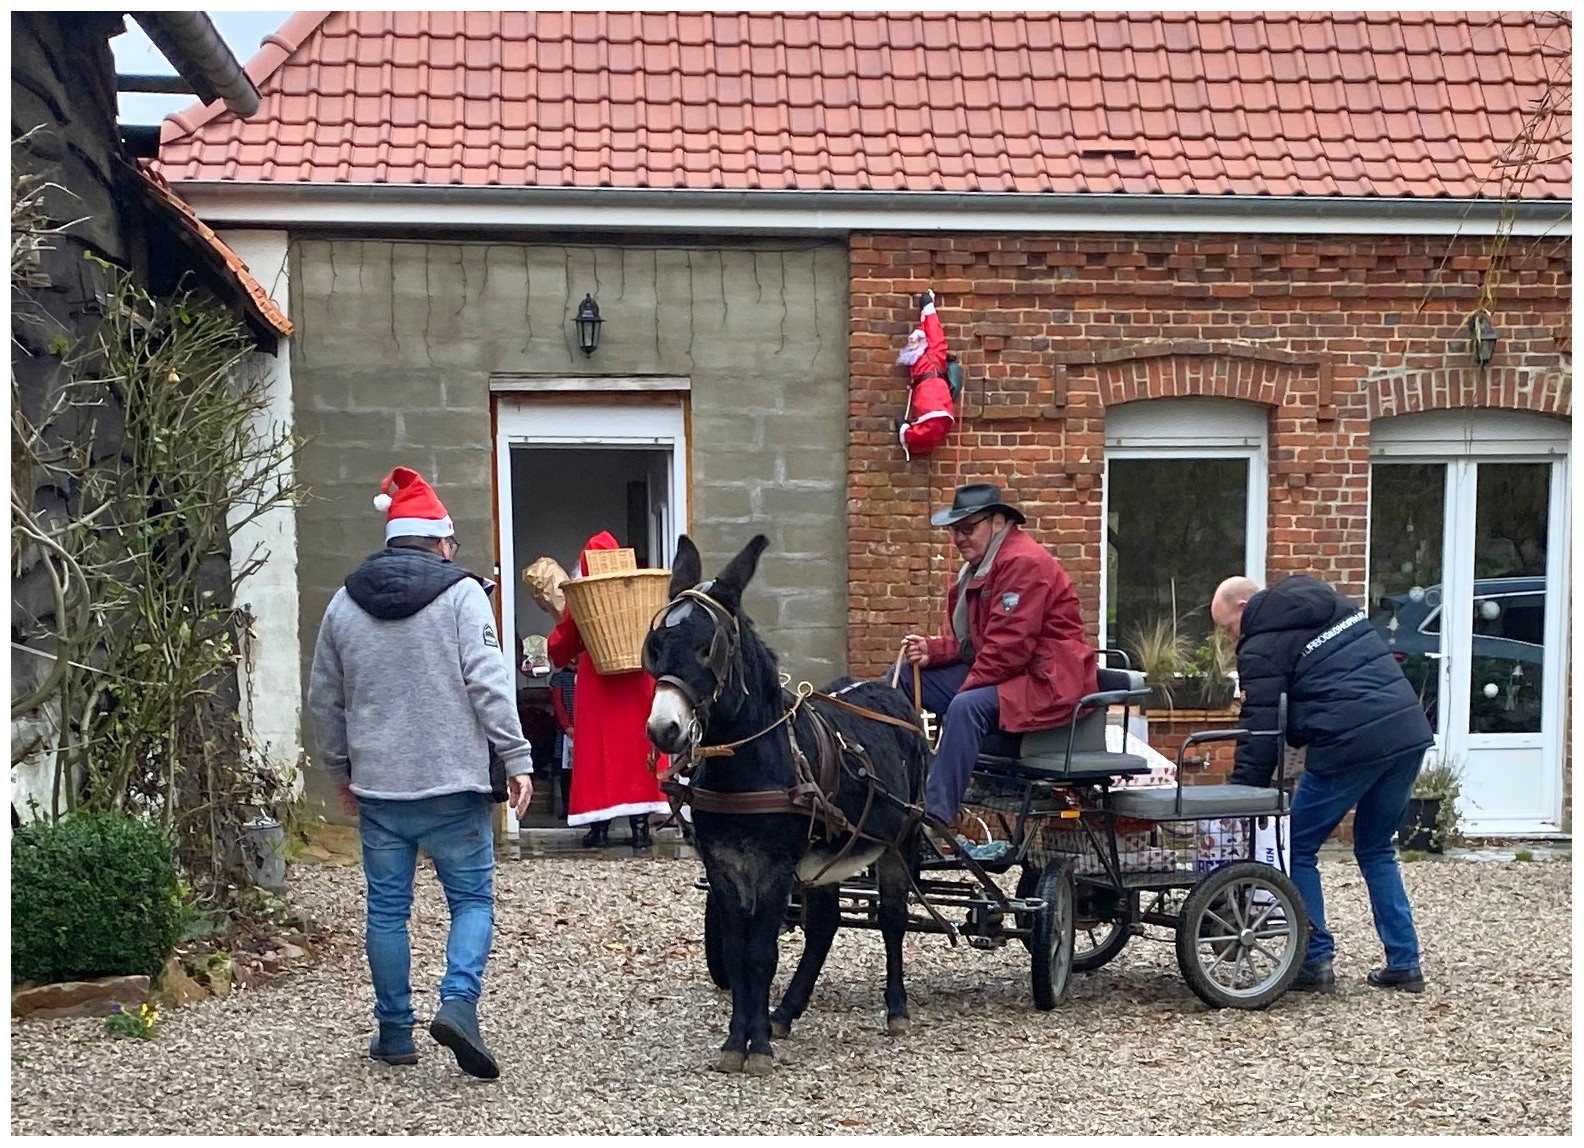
column 410, row 692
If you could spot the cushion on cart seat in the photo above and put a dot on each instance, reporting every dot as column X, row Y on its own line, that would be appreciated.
column 1087, row 765
column 1001, row 745
column 1159, row 803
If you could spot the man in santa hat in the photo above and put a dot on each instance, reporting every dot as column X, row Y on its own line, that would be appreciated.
column 411, row 697
column 930, row 415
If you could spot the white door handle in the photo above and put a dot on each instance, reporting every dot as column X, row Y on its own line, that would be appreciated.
column 1436, row 656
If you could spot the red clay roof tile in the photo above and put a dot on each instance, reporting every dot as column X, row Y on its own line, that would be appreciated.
column 1349, row 104
column 263, row 307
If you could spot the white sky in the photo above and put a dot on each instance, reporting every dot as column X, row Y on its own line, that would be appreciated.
column 136, row 55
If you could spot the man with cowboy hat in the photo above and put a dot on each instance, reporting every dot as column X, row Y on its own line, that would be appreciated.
column 1014, row 657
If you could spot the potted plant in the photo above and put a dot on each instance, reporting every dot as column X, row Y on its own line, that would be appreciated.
column 1161, row 651
column 1216, row 659
column 1433, row 818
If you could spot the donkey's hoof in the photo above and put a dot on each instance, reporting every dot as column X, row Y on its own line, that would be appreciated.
column 731, row 1061
column 897, row 1025
column 759, row 1064
column 780, row 1029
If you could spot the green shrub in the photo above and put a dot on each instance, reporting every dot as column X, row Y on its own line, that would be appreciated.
column 94, row 895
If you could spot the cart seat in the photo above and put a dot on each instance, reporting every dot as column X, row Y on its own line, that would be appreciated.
column 1042, row 753
column 1199, row 802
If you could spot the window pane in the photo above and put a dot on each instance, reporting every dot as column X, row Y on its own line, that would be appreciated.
column 1407, row 527
column 1175, row 525
column 1512, row 503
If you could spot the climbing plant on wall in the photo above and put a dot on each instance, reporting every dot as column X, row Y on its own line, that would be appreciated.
column 145, row 635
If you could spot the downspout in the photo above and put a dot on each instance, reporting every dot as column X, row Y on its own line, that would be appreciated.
column 194, row 47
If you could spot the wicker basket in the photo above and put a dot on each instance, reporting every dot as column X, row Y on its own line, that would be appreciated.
column 613, row 612
column 610, row 561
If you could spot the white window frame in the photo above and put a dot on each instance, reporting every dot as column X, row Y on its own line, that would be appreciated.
column 1188, row 429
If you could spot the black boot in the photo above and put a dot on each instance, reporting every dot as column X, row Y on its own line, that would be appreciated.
column 455, row 1025
column 1315, row 978
column 1405, row 980
column 640, row 832
column 598, row 835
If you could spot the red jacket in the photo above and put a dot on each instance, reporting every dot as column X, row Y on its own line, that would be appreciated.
column 930, row 415
column 1027, row 635
column 610, row 750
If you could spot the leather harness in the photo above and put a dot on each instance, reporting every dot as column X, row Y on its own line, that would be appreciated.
column 813, row 791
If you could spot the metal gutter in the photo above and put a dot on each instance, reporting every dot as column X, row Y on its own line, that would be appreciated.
column 841, row 212
column 190, row 41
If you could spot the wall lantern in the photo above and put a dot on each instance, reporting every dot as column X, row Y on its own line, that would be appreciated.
column 1482, row 338
column 588, row 323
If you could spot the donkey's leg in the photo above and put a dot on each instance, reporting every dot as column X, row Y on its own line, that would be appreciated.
column 764, row 926
column 821, row 916
column 892, row 877
column 734, row 926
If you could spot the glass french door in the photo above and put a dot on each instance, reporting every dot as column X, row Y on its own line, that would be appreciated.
column 1466, row 573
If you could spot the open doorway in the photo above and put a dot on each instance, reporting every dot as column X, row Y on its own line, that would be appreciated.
column 564, row 473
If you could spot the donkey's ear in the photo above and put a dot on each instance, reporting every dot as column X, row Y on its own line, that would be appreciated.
column 686, row 569
column 733, row 580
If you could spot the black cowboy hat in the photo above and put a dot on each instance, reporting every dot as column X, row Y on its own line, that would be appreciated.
column 975, row 498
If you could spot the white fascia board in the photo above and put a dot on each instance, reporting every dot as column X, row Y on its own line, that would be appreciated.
column 838, row 213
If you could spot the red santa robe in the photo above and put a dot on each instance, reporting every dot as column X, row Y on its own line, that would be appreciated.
column 930, row 414
column 610, row 750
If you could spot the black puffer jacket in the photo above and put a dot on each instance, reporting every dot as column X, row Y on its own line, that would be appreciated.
column 1347, row 698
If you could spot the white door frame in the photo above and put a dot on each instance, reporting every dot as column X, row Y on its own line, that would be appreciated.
column 590, row 426
column 520, row 422
column 1463, row 440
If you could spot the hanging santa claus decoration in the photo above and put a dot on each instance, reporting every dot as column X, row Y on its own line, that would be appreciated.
column 930, row 415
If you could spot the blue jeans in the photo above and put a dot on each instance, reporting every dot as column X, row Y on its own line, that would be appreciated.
column 455, row 830
column 1380, row 792
column 967, row 715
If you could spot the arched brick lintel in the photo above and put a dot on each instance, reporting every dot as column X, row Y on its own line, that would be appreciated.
column 1402, row 391
column 1212, row 369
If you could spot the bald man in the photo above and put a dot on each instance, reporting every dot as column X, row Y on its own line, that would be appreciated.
column 1366, row 733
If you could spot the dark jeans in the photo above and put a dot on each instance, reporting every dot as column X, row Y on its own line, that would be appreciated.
column 967, row 715
column 1380, row 794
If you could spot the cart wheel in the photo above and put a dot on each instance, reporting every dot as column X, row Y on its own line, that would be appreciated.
column 1102, row 933
column 714, row 946
column 1242, row 935
column 1053, row 935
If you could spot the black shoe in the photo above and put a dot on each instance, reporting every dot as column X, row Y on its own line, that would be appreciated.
column 1404, row 980
column 598, row 834
column 394, row 1045
column 1317, row 978
column 640, row 832
column 456, row 1027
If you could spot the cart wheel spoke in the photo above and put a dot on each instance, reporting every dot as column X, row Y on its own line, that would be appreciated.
column 1265, row 916
column 1274, row 958
column 1231, row 930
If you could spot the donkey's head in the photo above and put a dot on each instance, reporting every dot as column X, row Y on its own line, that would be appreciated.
column 700, row 648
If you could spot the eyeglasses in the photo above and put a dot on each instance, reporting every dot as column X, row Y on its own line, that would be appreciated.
column 456, row 547
column 968, row 526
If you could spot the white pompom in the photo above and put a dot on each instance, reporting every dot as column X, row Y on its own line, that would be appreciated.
column 382, row 502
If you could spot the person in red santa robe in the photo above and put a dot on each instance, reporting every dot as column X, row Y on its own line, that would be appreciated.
column 930, row 414
column 610, row 750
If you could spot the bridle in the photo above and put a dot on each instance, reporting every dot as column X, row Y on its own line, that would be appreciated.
column 723, row 662
column 813, row 790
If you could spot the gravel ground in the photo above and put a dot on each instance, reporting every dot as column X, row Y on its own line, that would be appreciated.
column 599, row 1008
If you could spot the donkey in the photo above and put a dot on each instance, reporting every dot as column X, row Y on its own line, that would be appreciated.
column 718, row 685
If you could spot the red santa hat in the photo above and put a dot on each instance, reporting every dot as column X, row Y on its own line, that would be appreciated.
column 412, row 509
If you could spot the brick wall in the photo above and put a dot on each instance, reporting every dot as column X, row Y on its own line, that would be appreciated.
column 1326, row 334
